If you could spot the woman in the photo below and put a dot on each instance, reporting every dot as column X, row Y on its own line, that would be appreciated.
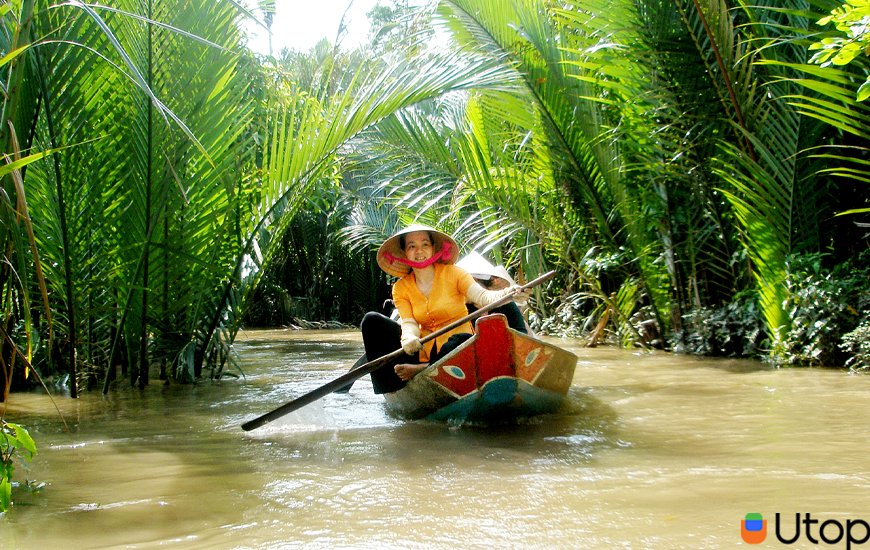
column 431, row 293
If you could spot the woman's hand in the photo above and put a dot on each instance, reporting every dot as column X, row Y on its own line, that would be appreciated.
column 410, row 338
column 411, row 345
column 521, row 295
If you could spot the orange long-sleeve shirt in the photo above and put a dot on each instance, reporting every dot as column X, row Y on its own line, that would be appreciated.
column 445, row 304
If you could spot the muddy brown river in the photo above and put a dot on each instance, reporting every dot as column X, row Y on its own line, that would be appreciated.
column 652, row 450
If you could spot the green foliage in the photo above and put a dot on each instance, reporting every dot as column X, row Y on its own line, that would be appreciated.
column 136, row 228
column 666, row 156
column 154, row 237
column 660, row 153
column 314, row 275
column 733, row 330
column 856, row 344
column 825, row 306
column 21, row 282
column 852, row 20
column 15, row 442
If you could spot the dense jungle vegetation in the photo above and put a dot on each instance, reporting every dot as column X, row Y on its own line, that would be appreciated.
column 696, row 172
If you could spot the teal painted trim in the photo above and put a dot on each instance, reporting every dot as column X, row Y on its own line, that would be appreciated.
column 500, row 400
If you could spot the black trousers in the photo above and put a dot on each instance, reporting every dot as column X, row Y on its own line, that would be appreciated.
column 382, row 336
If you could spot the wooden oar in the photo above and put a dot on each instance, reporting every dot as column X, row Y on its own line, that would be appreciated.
column 374, row 365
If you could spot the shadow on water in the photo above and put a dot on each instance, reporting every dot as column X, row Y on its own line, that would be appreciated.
column 574, row 435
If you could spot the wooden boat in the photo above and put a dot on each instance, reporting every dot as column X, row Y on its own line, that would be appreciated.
column 497, row 375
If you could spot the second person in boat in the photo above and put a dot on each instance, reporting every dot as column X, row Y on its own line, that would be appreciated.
column 430, row 294
column 493, row 277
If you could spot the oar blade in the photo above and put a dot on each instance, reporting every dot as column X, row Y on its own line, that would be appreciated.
column 342, row 381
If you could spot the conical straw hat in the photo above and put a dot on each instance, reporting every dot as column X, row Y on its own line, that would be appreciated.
column 391, row 250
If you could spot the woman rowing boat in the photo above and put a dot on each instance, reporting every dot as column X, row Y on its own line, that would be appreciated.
column 431, row 293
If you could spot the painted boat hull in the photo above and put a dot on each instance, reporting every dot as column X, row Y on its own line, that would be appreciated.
column 497, row 375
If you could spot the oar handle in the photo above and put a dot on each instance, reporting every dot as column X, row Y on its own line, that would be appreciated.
column 375, row 364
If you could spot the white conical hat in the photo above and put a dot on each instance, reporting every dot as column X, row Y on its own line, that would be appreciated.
column 480, row 268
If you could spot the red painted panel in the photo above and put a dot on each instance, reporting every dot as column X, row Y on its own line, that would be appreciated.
column 494, row 345
column 458, row 375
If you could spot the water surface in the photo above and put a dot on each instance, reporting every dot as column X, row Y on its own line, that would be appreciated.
column 651, row 451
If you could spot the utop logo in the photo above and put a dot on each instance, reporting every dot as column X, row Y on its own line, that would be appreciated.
column 753, row 529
